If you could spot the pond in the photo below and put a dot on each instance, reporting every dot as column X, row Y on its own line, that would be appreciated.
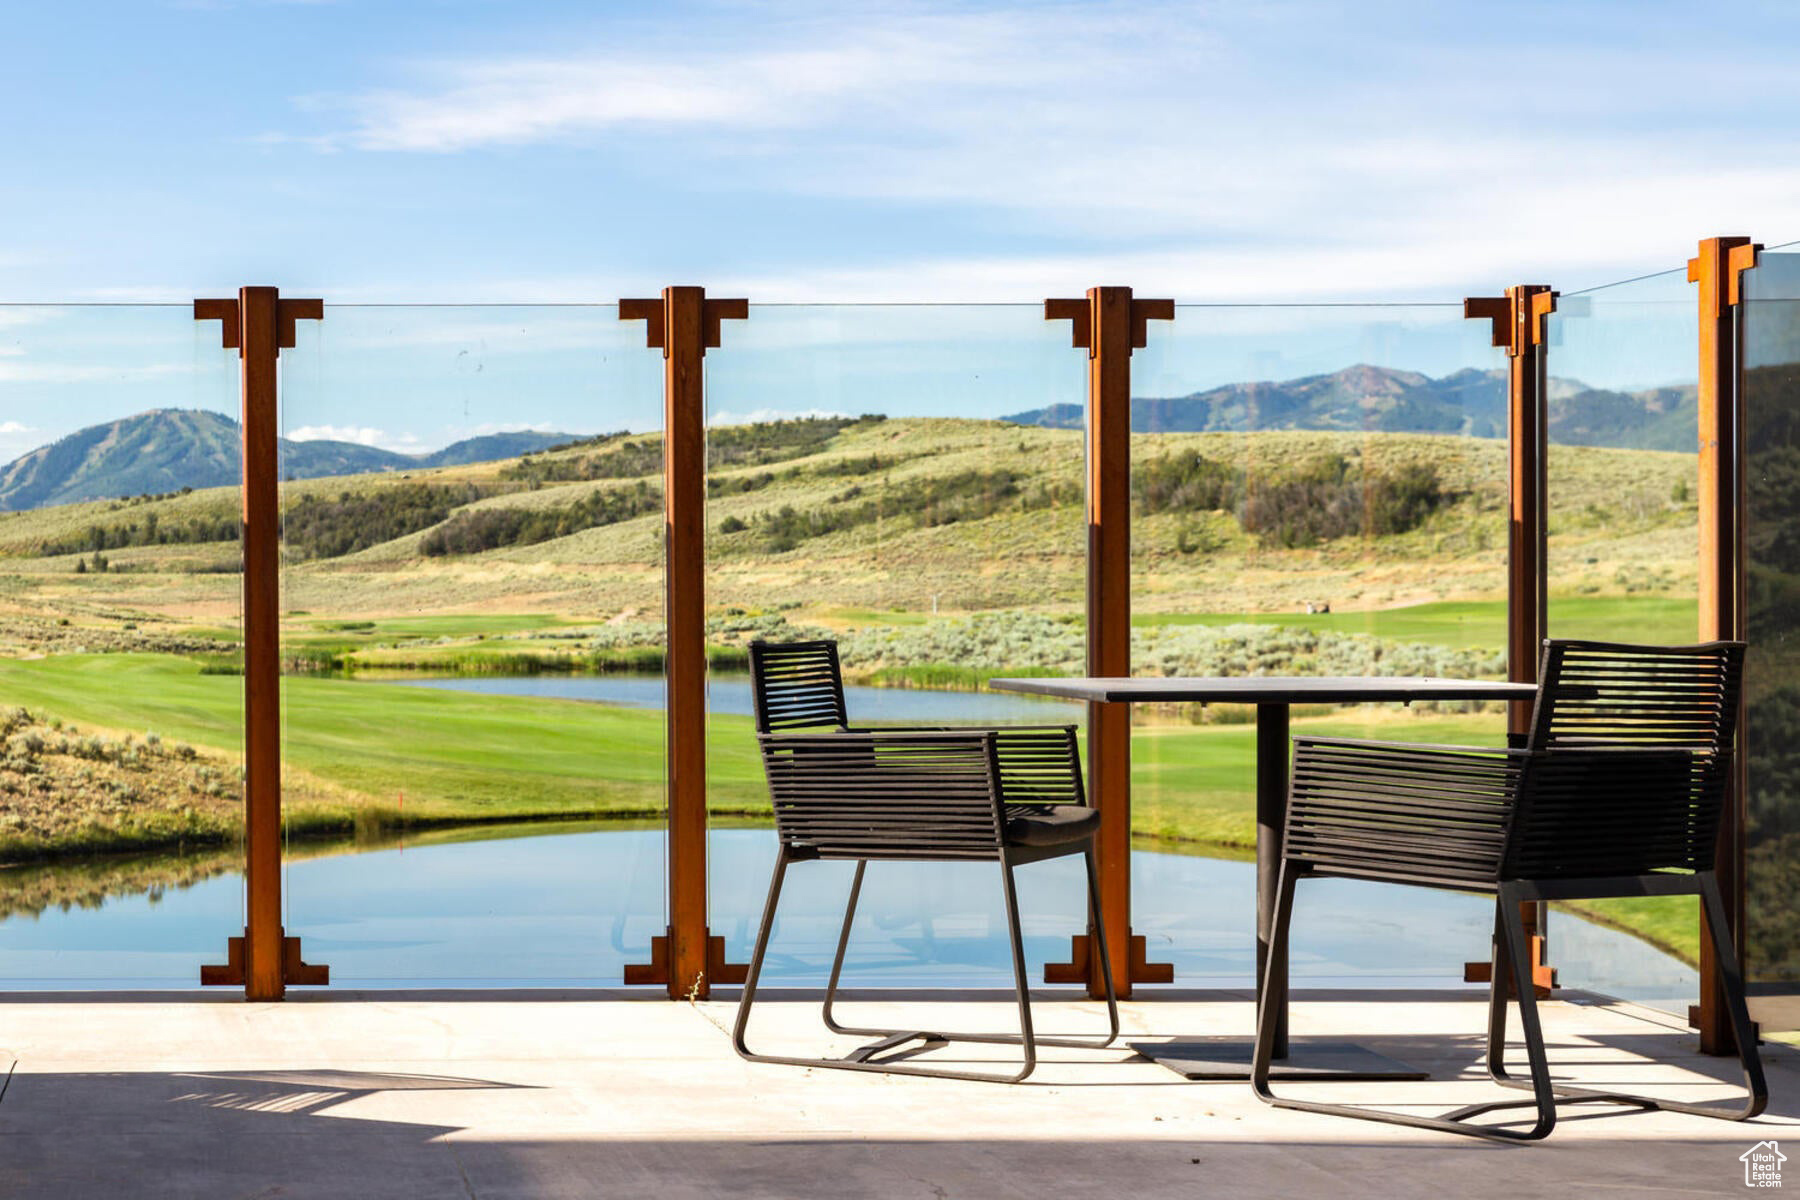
column 731, row 694
column 571, row 905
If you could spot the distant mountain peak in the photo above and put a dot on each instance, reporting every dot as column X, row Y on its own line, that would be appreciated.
column 167, row 449
column 1470, row 402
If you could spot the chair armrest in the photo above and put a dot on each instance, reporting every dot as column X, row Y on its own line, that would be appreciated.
column 999, row 729
column 1039, row 764
column 1401, row 811
column 885, row 794
column 1607, row 811
column 1375, row 743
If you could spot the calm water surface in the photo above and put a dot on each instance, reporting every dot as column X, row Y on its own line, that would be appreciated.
column 555, row 906
column 731, row 694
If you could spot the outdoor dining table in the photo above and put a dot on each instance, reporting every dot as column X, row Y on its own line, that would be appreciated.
column 1229, row 1058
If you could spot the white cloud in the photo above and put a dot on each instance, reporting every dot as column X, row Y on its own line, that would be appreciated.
column 13, row 316
column 362, row 435
column 794, row 79
column 13, row 428
column 1289, row 150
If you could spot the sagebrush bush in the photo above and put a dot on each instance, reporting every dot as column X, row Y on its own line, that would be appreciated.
column 474, row 531
column 1318, row 500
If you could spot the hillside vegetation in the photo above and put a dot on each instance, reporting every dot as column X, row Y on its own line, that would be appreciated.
column 885, row 517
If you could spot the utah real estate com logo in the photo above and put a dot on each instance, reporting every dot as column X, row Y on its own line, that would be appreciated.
column 1762, row 1165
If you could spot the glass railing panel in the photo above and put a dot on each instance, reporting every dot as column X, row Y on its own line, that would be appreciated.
column 885, row 475
column 121, row 801
column 1771, row 328
column 1622, row 476
column 1317, row 490
column 1622, row 467
column 472, row 625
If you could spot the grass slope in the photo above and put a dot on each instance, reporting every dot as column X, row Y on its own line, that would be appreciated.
column 1622, row 522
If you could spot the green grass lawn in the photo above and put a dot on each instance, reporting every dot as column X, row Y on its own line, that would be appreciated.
column 459, row 753
column 1479, row 623
column 453, row 754
column 1198, row 782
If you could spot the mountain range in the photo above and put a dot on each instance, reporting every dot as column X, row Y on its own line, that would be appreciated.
column 1383, row 400
column 168, row 449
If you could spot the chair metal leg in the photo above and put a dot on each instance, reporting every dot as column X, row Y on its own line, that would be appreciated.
column 1099, row 927
column 934, row 1039
column 1262, row 1062
column 1515, row 947
column 1756, row 1088
column 837, row 962
column 1021, row 982
column 1266, row 1023
column 754, row 971
column 909, row 1042
column 1499, row 977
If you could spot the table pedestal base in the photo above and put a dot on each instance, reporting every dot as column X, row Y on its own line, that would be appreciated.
column 1217, row 1058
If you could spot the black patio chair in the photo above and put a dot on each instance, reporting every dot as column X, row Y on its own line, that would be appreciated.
column 1618, row 791
column 1010, row 796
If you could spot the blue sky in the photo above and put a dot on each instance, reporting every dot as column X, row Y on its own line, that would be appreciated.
column 467, row 150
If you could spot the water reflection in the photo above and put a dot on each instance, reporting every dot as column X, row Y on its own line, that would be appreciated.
column 571, row 905
column 730, row 694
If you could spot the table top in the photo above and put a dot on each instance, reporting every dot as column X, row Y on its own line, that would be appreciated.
column 1268, row 689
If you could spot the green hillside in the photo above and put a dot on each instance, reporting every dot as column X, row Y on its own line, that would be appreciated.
column 873, row 522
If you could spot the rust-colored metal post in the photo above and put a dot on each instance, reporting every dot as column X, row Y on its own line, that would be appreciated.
column 259, row 325
column 1718, row 269
column 684, row 324
column 1109, row 324
column 1519, row 318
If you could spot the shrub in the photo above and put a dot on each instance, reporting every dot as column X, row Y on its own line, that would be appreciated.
column 1324, row 498
column 915, row 503
column 475, row 531
column 319, row 527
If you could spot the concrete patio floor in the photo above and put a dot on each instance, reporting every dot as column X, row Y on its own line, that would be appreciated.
column 490, row 1095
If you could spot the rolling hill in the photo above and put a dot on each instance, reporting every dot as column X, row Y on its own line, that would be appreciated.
column 925, row 514
column 169, row 449
column 1381, row 400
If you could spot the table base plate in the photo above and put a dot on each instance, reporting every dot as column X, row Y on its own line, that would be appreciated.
column 1219, row 1058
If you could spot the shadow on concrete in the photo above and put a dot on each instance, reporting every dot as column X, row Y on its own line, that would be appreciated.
column 264, row 1133
column 285, row 1133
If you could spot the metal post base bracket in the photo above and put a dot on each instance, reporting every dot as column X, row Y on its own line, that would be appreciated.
column 1139, row 966
column 1543, row 975
column 656, row 971
column 294, row 969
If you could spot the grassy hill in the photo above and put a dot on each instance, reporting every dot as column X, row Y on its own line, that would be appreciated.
column 915, row 516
